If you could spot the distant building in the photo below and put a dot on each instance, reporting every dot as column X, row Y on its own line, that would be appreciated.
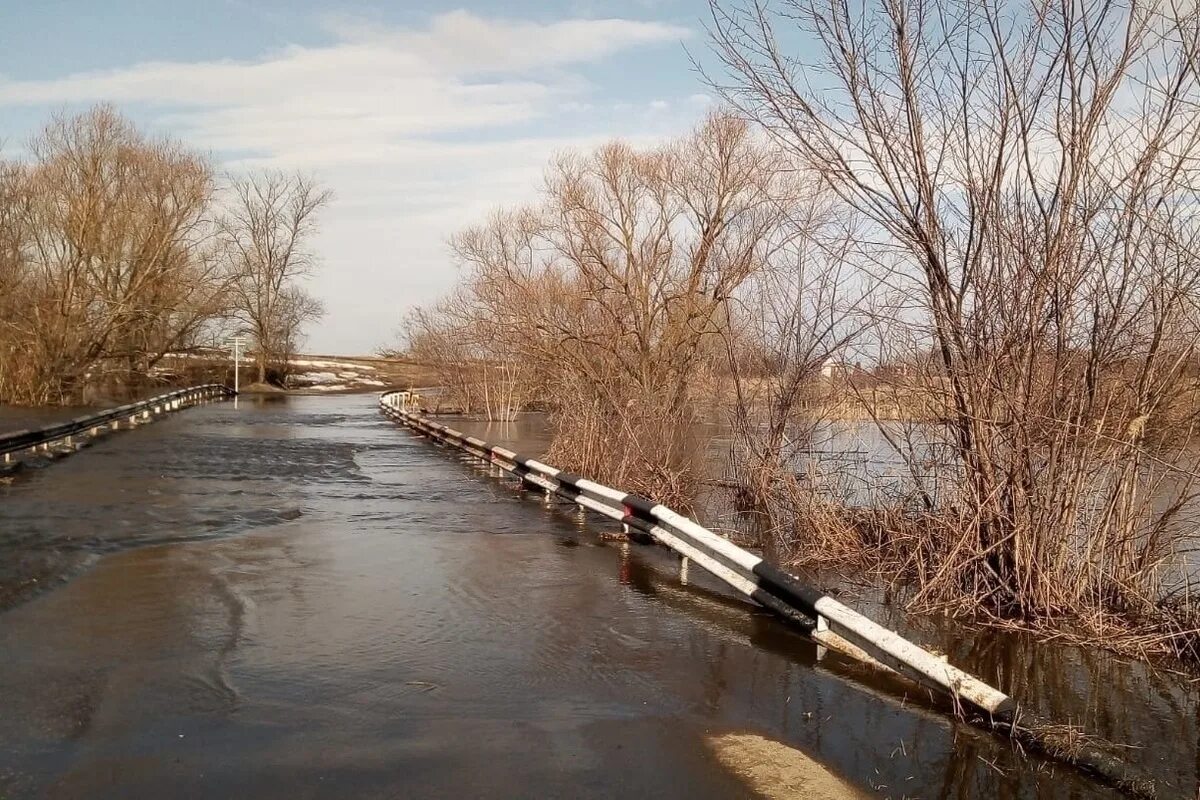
column 841, row 369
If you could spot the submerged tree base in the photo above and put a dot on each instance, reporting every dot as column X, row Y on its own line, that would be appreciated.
column 931, row 561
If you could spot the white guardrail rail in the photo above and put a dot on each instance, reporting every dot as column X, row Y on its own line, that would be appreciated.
column 75, row 433
column 827, row 621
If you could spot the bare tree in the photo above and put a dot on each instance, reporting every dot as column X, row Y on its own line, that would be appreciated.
column 1033, row 167
column 431, row 338
column 14, row 368
column 111, row 257
column 267, row 228
column 612, row 293
column 108, row 254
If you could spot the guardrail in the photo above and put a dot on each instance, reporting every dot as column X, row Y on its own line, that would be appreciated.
column 64, row 433
column 827, row 621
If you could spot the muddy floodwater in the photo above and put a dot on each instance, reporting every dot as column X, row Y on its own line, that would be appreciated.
column 295, row 598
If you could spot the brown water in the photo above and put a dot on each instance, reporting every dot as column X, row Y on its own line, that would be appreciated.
column 297, row 599
column 15, row 418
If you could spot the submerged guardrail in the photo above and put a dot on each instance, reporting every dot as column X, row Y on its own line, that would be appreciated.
column 827, row 621
column 63, row 434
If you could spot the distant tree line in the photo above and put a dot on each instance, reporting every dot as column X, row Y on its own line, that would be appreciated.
column 997, row 200
column 118, row 249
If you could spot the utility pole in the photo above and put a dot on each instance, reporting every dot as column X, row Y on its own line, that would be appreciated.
column 236, row 344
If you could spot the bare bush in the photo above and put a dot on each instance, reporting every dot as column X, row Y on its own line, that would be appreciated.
column 800, row 312
column 478, row 366
column 1032, row 168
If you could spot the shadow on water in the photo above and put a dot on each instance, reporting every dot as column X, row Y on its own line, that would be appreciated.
column 296, row 598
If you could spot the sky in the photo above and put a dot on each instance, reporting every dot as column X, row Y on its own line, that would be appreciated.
column 420, row 116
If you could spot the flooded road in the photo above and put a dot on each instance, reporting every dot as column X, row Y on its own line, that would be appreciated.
column 295, row 598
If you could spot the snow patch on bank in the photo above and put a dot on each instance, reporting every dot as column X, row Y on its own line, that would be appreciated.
column 345, row 365
column 333, row 376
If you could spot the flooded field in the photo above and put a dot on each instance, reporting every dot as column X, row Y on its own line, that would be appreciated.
column 14, row 418
column 296, row 598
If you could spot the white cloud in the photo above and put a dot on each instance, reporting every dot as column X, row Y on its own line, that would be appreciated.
column 418, row 131
column 370, row 88
column 463, row 42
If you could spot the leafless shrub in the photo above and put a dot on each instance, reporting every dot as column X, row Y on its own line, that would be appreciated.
column 477, row 365
column 1030, row 169
column 795, row 316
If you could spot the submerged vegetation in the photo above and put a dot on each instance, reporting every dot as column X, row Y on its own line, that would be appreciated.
column 118, row 249
column 990, row 205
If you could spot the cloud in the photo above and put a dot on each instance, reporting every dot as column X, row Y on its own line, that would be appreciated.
column 370, row 87
column 417, row 130
column 460, row 41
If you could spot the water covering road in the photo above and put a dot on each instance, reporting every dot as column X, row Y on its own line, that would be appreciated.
column 297, row 599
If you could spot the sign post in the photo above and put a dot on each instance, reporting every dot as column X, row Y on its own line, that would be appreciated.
column 236, row 344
